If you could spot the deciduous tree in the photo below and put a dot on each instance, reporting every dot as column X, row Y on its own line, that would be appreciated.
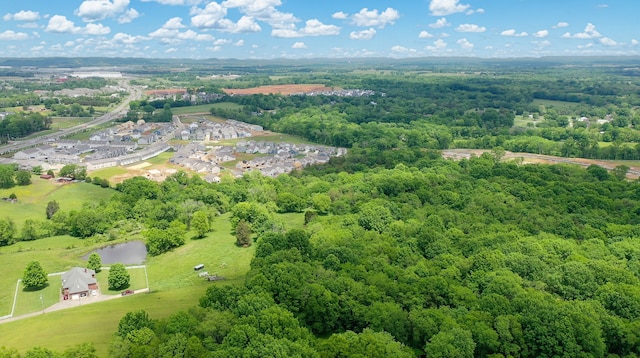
column 118, row 277
column 34, row 275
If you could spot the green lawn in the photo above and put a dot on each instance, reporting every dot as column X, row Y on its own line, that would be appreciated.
column 107, row 173
column 29, row 301
column 137, row 281
column 33, row 199
column 68, row 122
column 161, row 158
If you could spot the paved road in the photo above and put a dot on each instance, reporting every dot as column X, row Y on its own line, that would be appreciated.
column 135, row 93
column 70, row 304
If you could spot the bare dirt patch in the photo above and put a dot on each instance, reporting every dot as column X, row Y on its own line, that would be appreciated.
column 278, row 89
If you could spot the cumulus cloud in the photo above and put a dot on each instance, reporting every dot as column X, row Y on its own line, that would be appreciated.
column 363, row 35
column 174, row 23
column 175, row 2
column 477, row 11
column 61, row 25
column 470, row 28
column 512, row 32
column 96, row 29
column 401, row 50
column 313, row 28
column 465, row 44
column 122, row 38
column 9, row 35
column 589, row 32
column 209, row 17
column 340, row 15
column 375, row 18
column 94, row 10
column 447, row 7
column 425, row 35
column 128, row 16
column 220, row 42
column 608, row 41
column 560, row 25
column 263, row 10
column 438, row 44
column 634, row 42
column 541, row 33
column 174, row 36
column 440, row 23
column 22, row 15
column 239, row 43
column 299, row 45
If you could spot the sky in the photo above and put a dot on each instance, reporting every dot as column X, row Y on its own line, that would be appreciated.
column 268, row 29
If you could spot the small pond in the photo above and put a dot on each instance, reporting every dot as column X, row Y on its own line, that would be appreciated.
column 128, row 253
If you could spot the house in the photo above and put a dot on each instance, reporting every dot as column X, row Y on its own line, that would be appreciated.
column 79, row 282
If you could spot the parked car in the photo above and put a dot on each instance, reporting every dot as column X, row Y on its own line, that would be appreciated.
column 127, row 292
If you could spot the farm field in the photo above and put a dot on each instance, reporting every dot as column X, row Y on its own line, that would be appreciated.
column 204, row 108
column 281, row 89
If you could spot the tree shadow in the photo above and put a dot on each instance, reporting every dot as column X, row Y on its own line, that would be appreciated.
column 35, row 289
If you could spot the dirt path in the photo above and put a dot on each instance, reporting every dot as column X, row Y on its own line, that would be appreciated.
column 457, row 154
column 62, row 305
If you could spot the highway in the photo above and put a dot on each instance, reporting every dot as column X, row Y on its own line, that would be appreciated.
column 135, row 93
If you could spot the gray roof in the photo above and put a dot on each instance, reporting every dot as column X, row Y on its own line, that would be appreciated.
column 78, row 279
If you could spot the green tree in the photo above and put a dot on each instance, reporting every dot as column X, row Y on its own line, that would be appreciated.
column 7, row 174
column 7, row 231
column 23, row 177
column 52, row 208
column 620, row 172
column 321, row 202
column 133, row 321
column 454, row 343
column 94, row 262
column 118, row 277
column 34, row 276
column 84, row 350
column 243, row 233
column 29, row 231
column 200, row 223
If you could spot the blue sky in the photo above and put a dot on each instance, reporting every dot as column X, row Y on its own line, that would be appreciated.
column 266, row 29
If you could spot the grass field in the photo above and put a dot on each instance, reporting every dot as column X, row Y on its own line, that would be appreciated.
column 173, row 283
column 204, row 108
column 33, row 199
column 137, row 281
column 68, row 122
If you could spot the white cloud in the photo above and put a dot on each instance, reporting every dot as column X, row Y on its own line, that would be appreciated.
column 128, row 16
column 219, row 42
column 438, row 44
column 96, row 29
column 59, row 24
column 373, row 18
column 126, row 39
column 425, row 35
column 447, row 7
column 470, row 28
column 560, row 25
column 175, row 2
column 69, row 44
column 589, row 32
column 566, row 35
column 541, row 34
column 174, row 36
column 363, row 35
column 239, row 43
column 299, row 45
column 465, row 44
column 23, row 15
column 263, row 10
column 210, row 16
column 313, row 28
column 174, row 23
column 512, row 32
column 397, row 49
column 634, row 42
column 340, row 15
column 608, row 41
column 9, row 35
column 440, row 23
column 170, row 50
column 93, row 10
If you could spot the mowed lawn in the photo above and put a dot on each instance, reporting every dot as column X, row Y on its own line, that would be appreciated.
column 33, row 198
column 173, row 283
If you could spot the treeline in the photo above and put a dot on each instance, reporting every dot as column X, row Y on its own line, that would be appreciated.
column 22, row 124
column 470, row 258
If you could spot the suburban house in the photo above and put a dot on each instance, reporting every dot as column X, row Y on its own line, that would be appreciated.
column 79, row 282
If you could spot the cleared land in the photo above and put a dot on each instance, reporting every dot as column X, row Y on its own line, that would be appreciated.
column 281, row 89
